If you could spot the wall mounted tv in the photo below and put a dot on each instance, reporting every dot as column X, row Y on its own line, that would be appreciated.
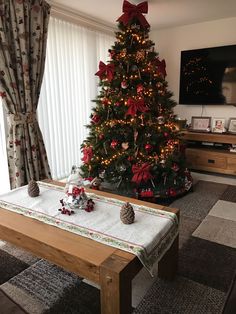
column 208, row 76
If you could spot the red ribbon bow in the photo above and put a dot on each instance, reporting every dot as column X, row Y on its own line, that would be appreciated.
column 107, row 70
column 141, row 173
column 131, row 11
column 161, row 66
column 88, row 154
column 136, row 105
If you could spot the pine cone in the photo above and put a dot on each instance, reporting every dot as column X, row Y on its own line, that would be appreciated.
column 127, row 214
column 33, row 188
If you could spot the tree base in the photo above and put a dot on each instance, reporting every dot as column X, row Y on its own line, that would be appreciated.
column 165, row 201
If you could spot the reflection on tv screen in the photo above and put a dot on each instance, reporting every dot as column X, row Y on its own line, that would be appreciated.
column 208, row 76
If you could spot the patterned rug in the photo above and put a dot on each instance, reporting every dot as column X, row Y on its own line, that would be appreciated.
column 206, row 267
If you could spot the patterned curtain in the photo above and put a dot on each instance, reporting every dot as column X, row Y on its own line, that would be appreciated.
column 23, row 36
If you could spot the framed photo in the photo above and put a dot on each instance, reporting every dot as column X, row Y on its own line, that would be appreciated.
column 232, row 125
column 201, row 124
column 218, row 125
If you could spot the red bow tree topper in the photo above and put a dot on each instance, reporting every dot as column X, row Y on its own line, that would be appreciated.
column 134, row 11
column 88, row 154
column 136, row 105
column 106, row 70
column 141, row 173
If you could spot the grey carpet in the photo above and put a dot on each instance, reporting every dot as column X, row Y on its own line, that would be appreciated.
column 10, row 266
column 208, row 263
column 198, row 203
column 229, row 194
column 82, row 299
column 187, row 227
column 182, row 296
column 20, row 254
column 39, row 287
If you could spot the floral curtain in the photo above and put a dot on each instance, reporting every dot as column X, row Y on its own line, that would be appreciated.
column 23, row 36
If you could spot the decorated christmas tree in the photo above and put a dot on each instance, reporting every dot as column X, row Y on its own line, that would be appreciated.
column 133, row 141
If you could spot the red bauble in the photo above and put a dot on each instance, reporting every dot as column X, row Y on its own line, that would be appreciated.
column 166, row 134
column 172, row 192
column 148, row 148
column 95, row 118
column 117, row 104
column 130, row 158
column 114, row 143
column 101, row 136
column 124, row 84
column 139, row 88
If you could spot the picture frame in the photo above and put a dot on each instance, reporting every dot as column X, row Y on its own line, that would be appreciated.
column 201, row 124
column 218, row 125
column 232, row 125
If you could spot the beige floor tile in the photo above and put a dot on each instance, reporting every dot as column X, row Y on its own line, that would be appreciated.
column 224, row 209
column 215, row 229
column 2, row 243
column 227, row 179
column 140, row 285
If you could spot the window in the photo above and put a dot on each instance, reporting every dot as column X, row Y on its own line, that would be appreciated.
column 69, row 85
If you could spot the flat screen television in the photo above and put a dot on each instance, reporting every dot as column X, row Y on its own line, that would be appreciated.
column 208, row 76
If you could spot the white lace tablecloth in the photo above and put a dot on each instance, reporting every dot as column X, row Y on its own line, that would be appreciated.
column 149, row 237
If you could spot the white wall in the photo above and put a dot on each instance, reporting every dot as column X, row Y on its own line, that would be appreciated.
column 169, row 43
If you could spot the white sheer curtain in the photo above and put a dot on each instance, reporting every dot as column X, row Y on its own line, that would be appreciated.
column 69, row 85
column 4, row 175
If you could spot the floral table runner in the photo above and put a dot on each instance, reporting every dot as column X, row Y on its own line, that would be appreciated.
column 149, row 237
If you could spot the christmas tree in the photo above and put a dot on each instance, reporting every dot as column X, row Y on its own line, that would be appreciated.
column 133, row 140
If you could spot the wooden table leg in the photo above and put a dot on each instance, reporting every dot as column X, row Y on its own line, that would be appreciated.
column 116, row 274
column 168, row 265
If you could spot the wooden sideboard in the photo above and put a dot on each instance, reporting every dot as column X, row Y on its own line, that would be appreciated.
column 208, row 157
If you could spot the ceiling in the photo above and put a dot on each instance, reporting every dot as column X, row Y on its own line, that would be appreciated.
column 162, row 13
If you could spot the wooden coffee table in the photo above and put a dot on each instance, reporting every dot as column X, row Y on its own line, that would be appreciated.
column 112, row 269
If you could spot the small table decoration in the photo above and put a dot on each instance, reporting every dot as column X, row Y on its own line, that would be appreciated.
column 75, row 198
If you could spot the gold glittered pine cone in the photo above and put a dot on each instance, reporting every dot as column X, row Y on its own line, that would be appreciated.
column 127, row 214
column 33, row 188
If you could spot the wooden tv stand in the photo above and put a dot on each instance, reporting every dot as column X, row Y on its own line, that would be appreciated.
column 207, row 157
